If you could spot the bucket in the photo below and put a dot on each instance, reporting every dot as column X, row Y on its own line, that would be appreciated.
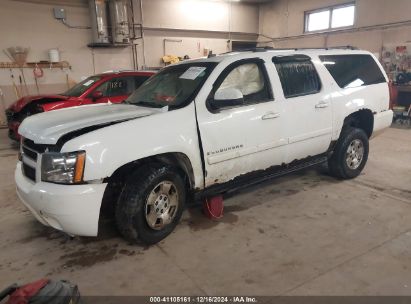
column 54, row 55
column 213, row 207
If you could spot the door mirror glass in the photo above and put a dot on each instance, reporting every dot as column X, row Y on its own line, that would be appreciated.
column 96, row 95
column 228, row 97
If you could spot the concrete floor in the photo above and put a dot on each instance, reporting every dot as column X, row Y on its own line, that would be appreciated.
column 305, row 234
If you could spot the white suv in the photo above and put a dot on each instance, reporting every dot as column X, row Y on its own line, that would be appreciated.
column 200, row 128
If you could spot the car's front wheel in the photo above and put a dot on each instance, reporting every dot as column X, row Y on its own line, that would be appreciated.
column 150, row 204
column 350, row 154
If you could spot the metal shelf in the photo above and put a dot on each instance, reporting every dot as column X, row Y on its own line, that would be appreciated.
column 32, row 65
column 109, row 45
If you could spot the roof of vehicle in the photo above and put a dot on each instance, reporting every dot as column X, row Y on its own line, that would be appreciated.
column 267, row 52
column 126, row 72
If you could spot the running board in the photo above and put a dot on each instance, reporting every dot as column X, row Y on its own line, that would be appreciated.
column 257, row 177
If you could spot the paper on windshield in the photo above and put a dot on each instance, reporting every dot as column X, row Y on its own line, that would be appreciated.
column 192, row 73
column 87, row 83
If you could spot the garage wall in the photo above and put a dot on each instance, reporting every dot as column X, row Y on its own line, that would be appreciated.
column 200, row 15
column 285, row 18
column 198, row 24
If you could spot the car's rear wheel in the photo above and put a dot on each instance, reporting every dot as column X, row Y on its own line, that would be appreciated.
column 150, row 204
column 350, row 154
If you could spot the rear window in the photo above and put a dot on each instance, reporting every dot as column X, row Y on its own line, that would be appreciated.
column 297, row 75
column 351, row 71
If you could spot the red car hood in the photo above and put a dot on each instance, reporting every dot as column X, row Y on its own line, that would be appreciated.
column 22, row 102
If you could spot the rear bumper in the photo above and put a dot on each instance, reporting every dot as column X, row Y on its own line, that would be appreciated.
column 382, row 121
column 74, row 209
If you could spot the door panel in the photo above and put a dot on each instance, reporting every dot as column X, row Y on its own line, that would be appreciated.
column 307, row 104
column 238, row 141
column 245, row 138
column 118, row 99
column 86, row 101
column 309, row 128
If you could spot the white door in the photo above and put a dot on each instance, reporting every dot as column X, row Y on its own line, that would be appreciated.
column 240, row 136
column 307, row 104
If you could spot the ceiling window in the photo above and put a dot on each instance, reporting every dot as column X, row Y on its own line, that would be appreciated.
column 330, row 18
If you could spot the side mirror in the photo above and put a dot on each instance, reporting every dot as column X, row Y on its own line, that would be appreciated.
column 229, row 97
column 96, row 95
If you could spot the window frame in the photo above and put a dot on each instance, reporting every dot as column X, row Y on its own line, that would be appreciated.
column 227, row 70
column 331, row 9
column 298, row 58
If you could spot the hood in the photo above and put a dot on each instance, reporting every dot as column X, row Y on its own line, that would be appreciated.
column 48, row 127
column 22, row 102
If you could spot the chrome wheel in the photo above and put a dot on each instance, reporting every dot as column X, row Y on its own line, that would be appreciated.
column 354, row 154
column 161, row 205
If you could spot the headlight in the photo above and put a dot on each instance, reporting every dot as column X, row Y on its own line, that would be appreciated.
column 63, row 168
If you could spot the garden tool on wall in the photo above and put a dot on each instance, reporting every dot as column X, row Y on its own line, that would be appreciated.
column 21, row 85
column 15, row 88
column 24, row 81
column 18, row 54
column 3, row 122
column 38, row 73
column 66, row 72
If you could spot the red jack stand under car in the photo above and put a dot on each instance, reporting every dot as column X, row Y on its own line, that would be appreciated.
column 213, row 207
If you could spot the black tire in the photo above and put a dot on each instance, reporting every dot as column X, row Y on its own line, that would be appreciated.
column 131, row 208
column 337, row 163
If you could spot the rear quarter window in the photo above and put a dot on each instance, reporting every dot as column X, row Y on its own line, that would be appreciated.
column 351, row 71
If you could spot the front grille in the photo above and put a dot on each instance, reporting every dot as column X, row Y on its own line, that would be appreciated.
column 29, row 172
column 30, row 153
column 34, row 147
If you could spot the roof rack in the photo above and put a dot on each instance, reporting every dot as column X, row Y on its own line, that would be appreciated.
column 268, row 48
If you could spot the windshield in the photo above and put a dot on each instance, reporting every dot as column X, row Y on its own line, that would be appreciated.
column 174, row 86
column 81, row 87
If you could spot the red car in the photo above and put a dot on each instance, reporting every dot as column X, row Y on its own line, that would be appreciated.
column 112, row 87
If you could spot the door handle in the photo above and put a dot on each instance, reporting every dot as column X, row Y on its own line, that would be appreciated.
column 322, row 104
column 270, row 115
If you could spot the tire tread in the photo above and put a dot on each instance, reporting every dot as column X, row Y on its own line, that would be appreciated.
column 131, row 201
column 336, row 163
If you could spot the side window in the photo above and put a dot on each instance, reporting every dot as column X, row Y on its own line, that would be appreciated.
column 117, row 86
column 103, row 88
column 120, row 86
column 297, row 75
column 350, row 71
column 249, row 79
